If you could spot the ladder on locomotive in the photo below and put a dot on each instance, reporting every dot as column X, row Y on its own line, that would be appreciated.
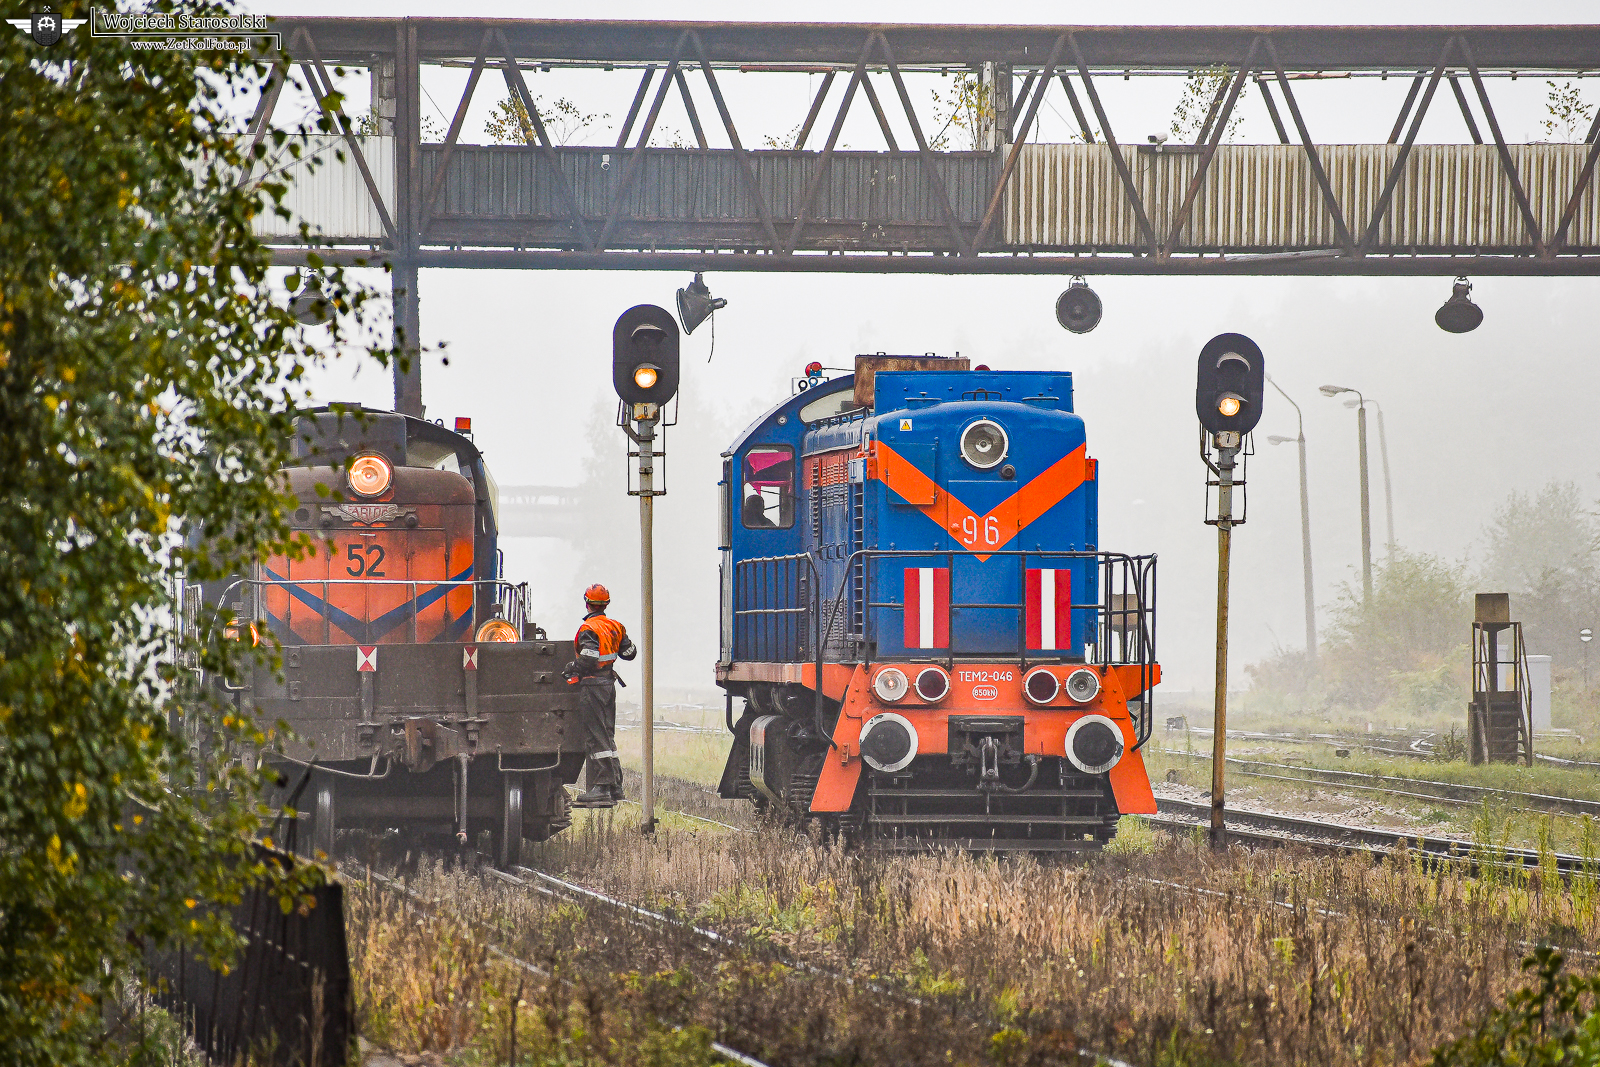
column 858, row 569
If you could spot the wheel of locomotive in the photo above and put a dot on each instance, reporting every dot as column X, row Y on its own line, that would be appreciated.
column 510, row 821
column 322, row 819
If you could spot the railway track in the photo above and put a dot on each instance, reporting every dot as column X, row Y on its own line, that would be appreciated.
column 1273, row 829
column 1419, row 746
column 498, row 951
column 1410, row 788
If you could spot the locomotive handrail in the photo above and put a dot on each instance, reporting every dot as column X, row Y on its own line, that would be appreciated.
column 1137, row 571
column 1131, row 621
column 509, row 597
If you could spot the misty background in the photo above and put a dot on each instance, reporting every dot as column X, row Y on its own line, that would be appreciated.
column 1470, row 419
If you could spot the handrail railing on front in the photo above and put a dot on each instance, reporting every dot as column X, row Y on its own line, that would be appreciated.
column 507, row 601
column 768, row 624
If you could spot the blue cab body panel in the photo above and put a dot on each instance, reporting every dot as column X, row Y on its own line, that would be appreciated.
column 916, row 550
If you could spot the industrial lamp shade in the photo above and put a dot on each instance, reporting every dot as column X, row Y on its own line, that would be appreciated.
column 695, row 304
column 1078, row 309
column 1459, row 314
column 311, row 305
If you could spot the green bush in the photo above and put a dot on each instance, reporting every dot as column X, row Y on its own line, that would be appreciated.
column 1552, row 1023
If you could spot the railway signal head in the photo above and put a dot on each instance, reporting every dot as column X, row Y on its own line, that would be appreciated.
column 1232, row 379
column 644, row 355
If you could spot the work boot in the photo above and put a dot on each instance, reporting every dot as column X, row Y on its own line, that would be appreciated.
column 616, row 780
column 597, row 797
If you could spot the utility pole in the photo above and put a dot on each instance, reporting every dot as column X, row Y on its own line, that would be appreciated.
column 1366, row 509
column 1228, row 400
column 1305, row 526
column 1388, row 491
column 644, row 372
column 1366, row 512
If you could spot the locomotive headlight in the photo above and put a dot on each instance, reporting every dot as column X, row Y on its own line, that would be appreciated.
column 370, row 475
column 1083, row 685
column 983, row 444
column 1228, row 405
column 890, row 685
column 888, row 742
column 645, row 375
column 497, row 630
column 1094, row 744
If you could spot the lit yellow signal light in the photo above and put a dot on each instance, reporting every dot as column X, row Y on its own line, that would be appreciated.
column 645, row 375
column 1228, row 405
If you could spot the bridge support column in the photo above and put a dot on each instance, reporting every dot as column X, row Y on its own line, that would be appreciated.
column 408, row 349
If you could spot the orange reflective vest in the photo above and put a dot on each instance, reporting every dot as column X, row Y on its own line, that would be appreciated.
column 609, row 633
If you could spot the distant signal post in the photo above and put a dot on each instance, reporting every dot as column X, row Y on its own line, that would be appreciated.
column 1228, row 395
column 644, row 371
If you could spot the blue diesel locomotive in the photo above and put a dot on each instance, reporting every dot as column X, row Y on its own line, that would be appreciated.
column 930, row 644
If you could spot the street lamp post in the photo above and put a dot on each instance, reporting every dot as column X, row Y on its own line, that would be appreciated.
column 1366, row 508
column 1585, row 635
column 1388, row 495
column 1305, row 524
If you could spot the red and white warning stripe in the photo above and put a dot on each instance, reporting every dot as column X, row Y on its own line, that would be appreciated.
column 1049, row 602
column 927, row 600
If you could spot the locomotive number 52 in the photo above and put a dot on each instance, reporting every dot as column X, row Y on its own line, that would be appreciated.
column 362, row 563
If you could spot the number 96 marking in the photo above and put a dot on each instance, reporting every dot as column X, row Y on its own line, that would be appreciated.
column 988, row 531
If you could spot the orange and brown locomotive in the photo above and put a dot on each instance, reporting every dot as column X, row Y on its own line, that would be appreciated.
column 419, row 694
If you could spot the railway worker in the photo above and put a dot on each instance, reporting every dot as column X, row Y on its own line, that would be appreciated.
column 599, row 643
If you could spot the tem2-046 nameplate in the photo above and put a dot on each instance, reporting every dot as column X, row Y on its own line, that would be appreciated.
column 367, row 513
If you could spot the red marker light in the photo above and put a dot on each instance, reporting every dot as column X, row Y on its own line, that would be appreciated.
column 981, row 366
column 813, row 369
column 463, row 424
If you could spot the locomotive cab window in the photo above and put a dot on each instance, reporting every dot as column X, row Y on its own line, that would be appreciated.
column 768, row 502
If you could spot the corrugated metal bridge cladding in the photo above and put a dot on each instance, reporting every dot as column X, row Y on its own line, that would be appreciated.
column 1451, row 199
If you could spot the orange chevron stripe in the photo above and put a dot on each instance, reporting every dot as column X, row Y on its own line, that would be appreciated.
column 1008, row 519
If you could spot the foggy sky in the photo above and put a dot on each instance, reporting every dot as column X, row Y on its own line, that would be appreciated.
column 1469, row 418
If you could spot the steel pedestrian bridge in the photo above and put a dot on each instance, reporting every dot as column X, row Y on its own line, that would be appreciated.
column 1098, row 205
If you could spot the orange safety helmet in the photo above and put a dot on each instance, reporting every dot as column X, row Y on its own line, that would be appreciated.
column 597, row 594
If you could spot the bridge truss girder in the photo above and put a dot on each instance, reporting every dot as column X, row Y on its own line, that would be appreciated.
column 798, row 210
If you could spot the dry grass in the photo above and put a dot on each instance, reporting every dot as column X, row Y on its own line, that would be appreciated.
column 1162, row 952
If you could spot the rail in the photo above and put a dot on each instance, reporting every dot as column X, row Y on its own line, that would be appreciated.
column 779, row 617
column 493, row 598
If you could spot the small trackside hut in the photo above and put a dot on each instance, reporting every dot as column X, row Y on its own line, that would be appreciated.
column 410, row 672
column 931, row 646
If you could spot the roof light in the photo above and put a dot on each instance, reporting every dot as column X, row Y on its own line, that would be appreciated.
column 463, row 424
column 813, row 369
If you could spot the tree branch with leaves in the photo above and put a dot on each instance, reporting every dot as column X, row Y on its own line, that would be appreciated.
column 148, row 384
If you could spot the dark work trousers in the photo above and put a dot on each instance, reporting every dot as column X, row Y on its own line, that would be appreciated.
column 598, row 714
